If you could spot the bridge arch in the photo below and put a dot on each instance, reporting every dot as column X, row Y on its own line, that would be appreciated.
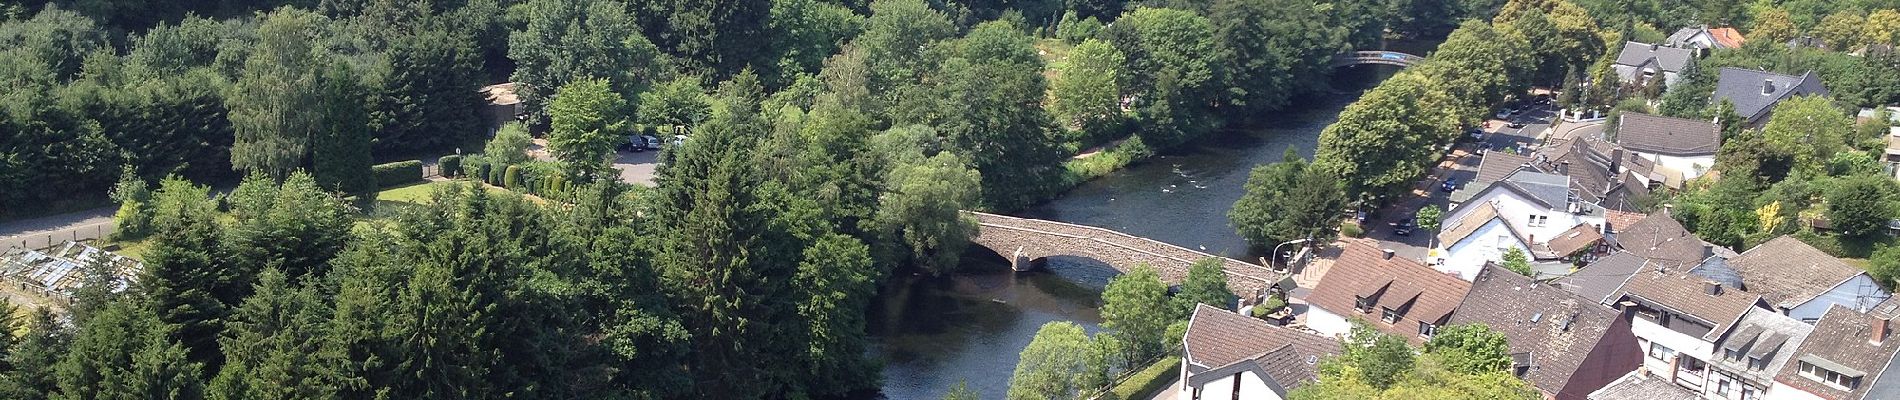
column 1024, row 241
column 1376, row 57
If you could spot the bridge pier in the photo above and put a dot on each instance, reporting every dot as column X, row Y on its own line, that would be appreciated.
column 1021, row 262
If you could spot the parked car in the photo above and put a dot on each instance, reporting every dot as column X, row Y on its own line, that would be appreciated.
column 633, row 143
column 1449, row 185
column 652, row 143
column 1403, row 227
column 1515, row 124
column 1505, row 113
column 1475, row 133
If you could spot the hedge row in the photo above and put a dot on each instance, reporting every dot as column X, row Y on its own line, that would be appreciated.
column 540, row 178
column 451, row 165
column 397, row 173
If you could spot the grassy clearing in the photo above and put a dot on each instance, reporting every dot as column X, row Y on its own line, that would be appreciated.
column 1149, row 380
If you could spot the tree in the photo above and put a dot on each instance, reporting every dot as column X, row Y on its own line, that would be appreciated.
column 1810, row 127
column 277, row 346
column 1288, row 200
column 1087, row 89
column 803, row 33
column 922, row 209
column 1573, row 83
column 1471, row 348
column 1882, row 27
column 1884, row 265
column 1382, row 142
column 676, row 103
column 32, row 360
column 1270, row 51
column 566, row 41
column 275, row 105
column 1171, row 62
column 1841, row 30
column 1135, row 308
column 125, row 352
column 1516, row 261
column 986, row 100
column 587, row 123
column 1381, row 358
column 1056, row 365
column 837, row 282
column 1858, row 206
column 295, row 227
column 421, row 101
column 1206, row 283
column 1772, row 25
column 185, row 273
column 340, row 153
column 1429, row 219
column 510, row 144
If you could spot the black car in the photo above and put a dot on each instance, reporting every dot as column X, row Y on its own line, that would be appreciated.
column 1403, row 227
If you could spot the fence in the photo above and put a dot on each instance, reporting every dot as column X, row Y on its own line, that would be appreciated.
column 44, row 240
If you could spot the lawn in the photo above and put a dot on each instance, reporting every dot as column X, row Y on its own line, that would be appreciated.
column 413, row 194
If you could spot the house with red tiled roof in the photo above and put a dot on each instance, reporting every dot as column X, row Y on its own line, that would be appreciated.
column 1397, row 295
column 1564, row 344
column 1678, row 318
column 1231, row 356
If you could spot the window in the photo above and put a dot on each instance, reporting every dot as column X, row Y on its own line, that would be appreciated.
column 1660, row 352
column 1389, row 315
column 1361, row 303
column 1427, row 329
column 1539, row 220
column 1751, row 393
column 1827, row 376
column 1521, row 370
column 1721, row 387
column 1731, row 354
column 1757, row 363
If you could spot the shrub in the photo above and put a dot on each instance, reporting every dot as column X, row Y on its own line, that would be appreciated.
column 1352, row 230
column 397, row 173
column 451, row 165
column 512, row 178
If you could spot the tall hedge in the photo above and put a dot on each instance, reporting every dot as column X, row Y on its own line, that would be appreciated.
column 451, row 165
column 397, row 173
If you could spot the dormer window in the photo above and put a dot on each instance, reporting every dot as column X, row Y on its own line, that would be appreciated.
column 1426, row 330
column 1757, row 363
column 1361, row 303
column 1389, row 315
column 1830, row 377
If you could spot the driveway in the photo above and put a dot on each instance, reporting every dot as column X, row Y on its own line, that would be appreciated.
column 46, row 231
column 636, row 168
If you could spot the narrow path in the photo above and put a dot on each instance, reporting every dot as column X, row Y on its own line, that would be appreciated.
column 46, row 231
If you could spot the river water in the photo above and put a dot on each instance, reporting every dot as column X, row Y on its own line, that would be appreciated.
column 933, row 333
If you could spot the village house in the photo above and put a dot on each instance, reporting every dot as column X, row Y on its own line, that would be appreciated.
column 1563, row 344
column 1641, row 385
column 1533, row 211
column 1704, row 37
column 1804, row 282
column 58, row 272
column 1755, row 93
column 1639, row 62
column 1231, row 356
column 1681, row 146
column 1678, row 319
column 1397, row 295
column 1843, row 358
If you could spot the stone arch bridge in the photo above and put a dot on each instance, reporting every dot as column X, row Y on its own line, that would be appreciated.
column 1376, row 57
column 1024, row 241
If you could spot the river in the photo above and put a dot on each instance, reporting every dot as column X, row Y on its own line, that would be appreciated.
column 932, row 333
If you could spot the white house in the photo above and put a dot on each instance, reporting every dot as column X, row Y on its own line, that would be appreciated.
column 1678, row 318
column 1802, row 281
column 1684, row 146
column 1398, row 295
column 1847, row 356
column 1232, row 356
column 1703, row 37
column 1639, row 62
column 1481, row 236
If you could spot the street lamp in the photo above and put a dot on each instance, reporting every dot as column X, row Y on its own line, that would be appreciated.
column 1276, row 248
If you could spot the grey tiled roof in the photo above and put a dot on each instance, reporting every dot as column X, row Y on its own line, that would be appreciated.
column 1219, row 339
column 1670, row 59
column 1684, row 293
column 1550, row 190
column 1789, row 272
column 1603, row 277
column 1766, row 335
column 1745, row 88
column 1841, row 339
column 1558, row 329
column 1641, row 385
column 1657, row 134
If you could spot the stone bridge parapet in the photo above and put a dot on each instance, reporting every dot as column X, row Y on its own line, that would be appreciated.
column 1025, row 240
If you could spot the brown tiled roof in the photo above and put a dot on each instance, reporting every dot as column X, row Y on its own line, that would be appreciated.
column 1786, row 271
column 1685, row 294
column 1657, row 134
column 1641, row 385
column 1218, row 339
column 1618, row 220
column 1661, row 239
column 1841, row 338
column 1496, row 165
column 1556, row 328
column 1582, row 236
column 1362, row 265
column 1456, row 231
column 1728, row 37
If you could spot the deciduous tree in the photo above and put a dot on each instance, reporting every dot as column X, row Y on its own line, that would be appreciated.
column 1056, row 365
column 1135, row 309
column 588, row 120
column 1206, row 283
column 1288, row 200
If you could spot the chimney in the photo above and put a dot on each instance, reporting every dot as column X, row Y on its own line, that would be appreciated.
column 1881, row 329
column 1667, row 208
column 1652, row 47
column 1712, row 288
column 1616, row 161
column 1388, row 253
column 1767, row 87
column 1563, row 168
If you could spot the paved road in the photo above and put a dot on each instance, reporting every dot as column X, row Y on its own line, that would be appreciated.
column 46, row 231
column 1461, row 164
column 636, row 168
